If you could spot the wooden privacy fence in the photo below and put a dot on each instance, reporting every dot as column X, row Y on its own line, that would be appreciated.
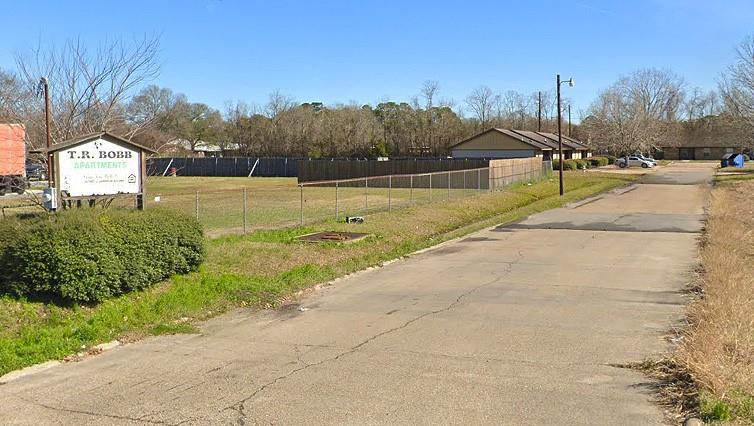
column 505, row 172
column 493, row 174
column 224, row 166
column 317, row 170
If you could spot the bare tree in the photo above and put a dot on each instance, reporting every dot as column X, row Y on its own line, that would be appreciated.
column 154, row 116
column 483, row 102
column 152, row 105
column 89, row 89
column 653, row 92
column 15, row 98
column 698, row 104
column 637, row 113
column 737, row 85
column 513, row 110
column 278, row 102
column 428, row 92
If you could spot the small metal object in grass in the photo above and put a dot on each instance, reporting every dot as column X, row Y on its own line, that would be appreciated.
column 329, row 236
column 354, row 219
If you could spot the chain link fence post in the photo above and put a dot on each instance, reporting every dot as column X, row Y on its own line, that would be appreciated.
column 430, row 187
column 450, row 174
column 336, row 201
column 390, row 193
column 411, row 190
column 366, row 196
column 479, row 180
column 245, row 200
column 491, row 178
column 301, row 221
column 197, row 205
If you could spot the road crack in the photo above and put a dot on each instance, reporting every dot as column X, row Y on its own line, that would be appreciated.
column 91, row 413
column 239, row 407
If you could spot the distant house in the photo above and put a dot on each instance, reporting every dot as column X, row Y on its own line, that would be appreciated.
column 708, row 138
column 182, row 147
column 692, row 150
column 501, row 143
column 577, row 148
column 572, row 148
column 546, row 141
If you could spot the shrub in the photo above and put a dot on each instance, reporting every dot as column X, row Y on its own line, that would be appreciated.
column 90, row 255
column 567, row 165
column 597, row 161
column 581, row 164
column 610, row 159
column 10, row 230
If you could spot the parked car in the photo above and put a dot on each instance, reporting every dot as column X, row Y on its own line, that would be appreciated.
column 36, row 171
column 634, row 160
column 650, row 159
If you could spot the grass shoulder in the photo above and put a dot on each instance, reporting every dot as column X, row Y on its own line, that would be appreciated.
column 731, row 175
column 710, row 373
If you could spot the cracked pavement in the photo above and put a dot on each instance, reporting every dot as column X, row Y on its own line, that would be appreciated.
column 514, row 325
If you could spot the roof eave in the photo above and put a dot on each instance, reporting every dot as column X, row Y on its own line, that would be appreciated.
column 86, row 138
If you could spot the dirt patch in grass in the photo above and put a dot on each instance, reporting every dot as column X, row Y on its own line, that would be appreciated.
column 266, row 267
column 711, row 373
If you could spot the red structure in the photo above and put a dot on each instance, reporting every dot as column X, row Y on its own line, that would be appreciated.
column 12, row 158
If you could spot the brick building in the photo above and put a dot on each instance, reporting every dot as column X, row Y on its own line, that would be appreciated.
column 707, row 139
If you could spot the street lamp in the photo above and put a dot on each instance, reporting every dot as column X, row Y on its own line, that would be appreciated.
column 560, row 136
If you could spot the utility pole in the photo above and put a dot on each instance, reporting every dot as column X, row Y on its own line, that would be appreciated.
column 560, row 142
column 569, row 120
column 539, row 111
column 50, row 164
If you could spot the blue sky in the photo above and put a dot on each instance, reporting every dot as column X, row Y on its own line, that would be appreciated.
column 365, row 51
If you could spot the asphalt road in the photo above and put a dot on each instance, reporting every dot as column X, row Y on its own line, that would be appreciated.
column 521, row 324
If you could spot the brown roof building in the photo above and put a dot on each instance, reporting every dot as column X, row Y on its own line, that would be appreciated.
column 511, row 143
column 572, row 148
column 708, row 138
column 501, row 143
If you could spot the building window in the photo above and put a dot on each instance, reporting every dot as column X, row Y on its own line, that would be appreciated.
column 706, row 152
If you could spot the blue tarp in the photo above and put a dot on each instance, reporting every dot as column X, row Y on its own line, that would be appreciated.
column 733, row 160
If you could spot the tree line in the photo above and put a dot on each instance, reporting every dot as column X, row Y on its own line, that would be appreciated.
column 652, row 108
column 109, row 88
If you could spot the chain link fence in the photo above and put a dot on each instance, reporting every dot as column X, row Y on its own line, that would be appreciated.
column 340, row 199
column 270, row 203
column 248, row 209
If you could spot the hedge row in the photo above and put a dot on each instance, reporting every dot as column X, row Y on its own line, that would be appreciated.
column 90, row 255
column 581, row 164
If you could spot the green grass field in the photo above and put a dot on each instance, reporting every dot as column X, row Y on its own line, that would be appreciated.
column 264, row 267
column 272, row 203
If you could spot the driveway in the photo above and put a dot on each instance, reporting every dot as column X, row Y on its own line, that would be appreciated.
column 520, row 324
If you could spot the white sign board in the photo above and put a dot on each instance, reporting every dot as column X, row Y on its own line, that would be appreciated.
column 99, row 167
